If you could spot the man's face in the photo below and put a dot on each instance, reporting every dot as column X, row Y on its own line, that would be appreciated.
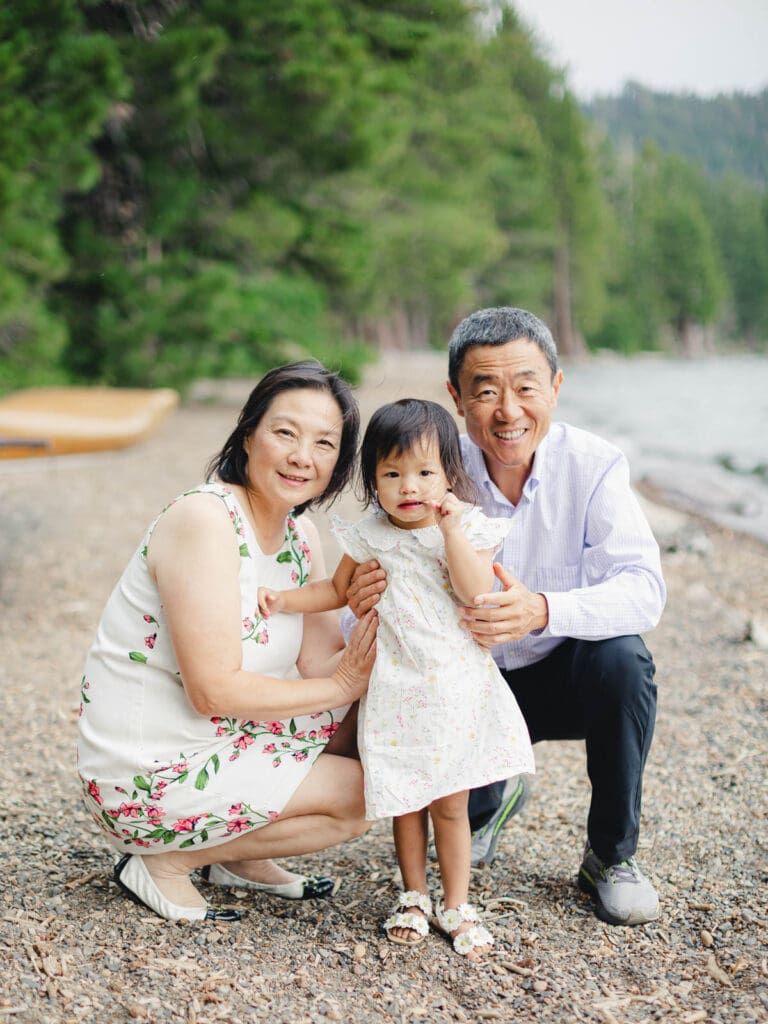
column 506, row 395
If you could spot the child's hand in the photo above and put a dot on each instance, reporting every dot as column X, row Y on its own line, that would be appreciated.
column 448, row 513
column 270, row 601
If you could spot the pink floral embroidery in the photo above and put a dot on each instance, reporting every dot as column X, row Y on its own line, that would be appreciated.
column 129, row 810
column 93, row 789
column 186, row 824
column 297, row 553
column 255, row 629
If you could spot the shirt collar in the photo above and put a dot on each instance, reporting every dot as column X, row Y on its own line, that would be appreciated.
column 478, row 470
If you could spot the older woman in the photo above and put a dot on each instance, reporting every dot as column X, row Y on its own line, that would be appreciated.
column 198, row 746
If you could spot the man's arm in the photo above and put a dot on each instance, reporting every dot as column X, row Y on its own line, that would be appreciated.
column 619, row 589
column 507, row 614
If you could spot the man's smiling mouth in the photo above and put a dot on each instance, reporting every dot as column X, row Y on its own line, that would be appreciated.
column 510, row 435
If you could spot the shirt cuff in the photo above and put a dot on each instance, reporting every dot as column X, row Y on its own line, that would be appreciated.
column 560, row 605
column 348, row 623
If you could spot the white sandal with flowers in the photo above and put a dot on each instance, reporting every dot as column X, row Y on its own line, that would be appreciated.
column 450, row 919
column 413, row 922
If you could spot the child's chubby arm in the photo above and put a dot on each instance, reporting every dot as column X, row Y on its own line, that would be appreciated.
column 470, row 570
column 318, row 596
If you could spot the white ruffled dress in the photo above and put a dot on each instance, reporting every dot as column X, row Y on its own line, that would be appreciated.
column 438, row 716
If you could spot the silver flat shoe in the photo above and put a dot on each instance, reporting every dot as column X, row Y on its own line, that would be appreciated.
column 136, row 882
column 303, row 887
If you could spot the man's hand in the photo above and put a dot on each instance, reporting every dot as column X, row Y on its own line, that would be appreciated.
column 505, row 615
column 369, row 581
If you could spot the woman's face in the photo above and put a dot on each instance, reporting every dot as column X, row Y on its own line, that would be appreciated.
column 293, row 451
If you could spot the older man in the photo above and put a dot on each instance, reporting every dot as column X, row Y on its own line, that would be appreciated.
column 580, row 577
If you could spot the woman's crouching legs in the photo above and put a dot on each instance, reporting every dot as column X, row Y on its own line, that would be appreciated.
column 328, row 808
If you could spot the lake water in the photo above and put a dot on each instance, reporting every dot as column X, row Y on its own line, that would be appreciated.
column 695, row 428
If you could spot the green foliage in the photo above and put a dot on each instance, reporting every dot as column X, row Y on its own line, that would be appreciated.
column 703, row 242
column 211, row 188
column 56, row 88
column 672, row 273
column 738, row 213
column 725, row 134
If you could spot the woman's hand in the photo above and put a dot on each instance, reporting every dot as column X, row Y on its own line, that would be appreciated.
column 369, row 581
column 354, row 669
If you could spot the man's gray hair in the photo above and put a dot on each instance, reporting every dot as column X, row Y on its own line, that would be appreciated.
column 496, row 326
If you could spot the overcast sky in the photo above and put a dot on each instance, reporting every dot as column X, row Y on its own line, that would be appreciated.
column 698, row 46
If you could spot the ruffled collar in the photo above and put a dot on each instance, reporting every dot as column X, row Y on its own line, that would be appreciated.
column 383, row 535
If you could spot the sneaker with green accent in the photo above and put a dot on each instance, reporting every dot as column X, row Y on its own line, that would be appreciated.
column 484, row 839
column 621, row 892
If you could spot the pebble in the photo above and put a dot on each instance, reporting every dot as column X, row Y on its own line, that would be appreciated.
column 703, row 812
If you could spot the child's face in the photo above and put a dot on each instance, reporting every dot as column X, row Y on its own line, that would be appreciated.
column 405, row 482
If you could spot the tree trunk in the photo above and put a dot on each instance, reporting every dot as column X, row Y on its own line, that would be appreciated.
column 569, row 343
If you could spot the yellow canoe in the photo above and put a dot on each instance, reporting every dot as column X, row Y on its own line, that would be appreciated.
column 60, row 421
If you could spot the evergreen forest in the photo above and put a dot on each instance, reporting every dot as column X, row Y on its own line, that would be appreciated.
column 208, row 188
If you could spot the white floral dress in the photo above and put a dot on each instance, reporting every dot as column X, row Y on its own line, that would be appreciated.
column 438, row 716
column 155, row 773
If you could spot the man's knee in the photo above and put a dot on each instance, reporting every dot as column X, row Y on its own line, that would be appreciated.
column 619, row 670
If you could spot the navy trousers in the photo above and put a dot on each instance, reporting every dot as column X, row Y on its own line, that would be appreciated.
column 603, row 692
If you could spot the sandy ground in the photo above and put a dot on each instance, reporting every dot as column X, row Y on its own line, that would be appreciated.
column 74, row 950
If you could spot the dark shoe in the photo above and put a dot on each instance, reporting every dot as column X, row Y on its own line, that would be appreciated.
column 513, row 800
column 621, row 892
column 302, row 887
column 136, row 882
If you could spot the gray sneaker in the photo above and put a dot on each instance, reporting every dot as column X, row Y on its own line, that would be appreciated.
column 513, row 800
column 621, row 892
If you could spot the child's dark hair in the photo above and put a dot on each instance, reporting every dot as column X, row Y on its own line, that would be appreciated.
column 397, row 427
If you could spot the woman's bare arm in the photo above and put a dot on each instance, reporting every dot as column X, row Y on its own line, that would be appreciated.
column 195, row 561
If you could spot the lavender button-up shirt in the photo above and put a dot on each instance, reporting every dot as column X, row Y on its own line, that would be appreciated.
column 580, row 538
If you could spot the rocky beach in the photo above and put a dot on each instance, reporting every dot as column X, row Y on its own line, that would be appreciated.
column 74, row 950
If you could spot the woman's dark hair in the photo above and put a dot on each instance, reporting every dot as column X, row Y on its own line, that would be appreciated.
column 397, row 427
column 230, row 463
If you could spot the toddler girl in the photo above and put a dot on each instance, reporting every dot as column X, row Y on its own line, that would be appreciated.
column 438, row 718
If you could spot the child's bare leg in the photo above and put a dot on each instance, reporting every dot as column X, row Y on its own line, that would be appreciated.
column 410, row 834
column 452, row 843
